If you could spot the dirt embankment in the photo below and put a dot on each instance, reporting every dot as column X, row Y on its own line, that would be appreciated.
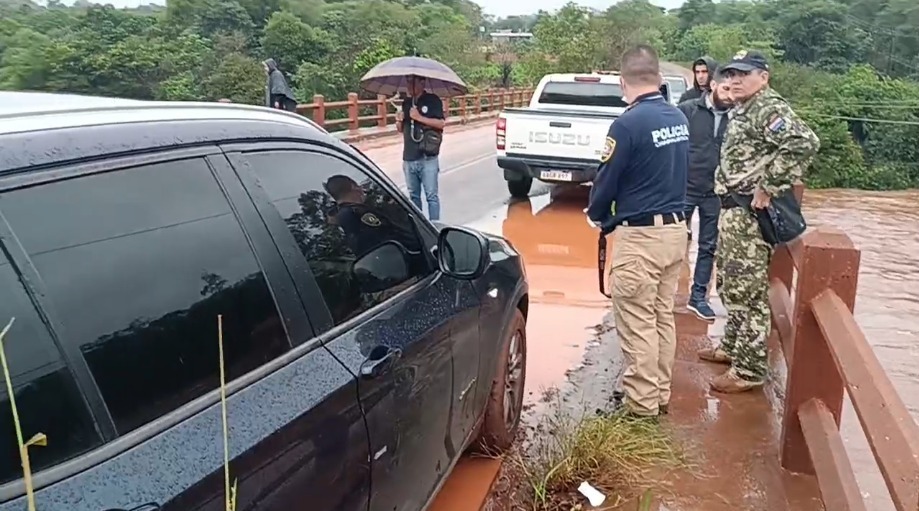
column 669, row 68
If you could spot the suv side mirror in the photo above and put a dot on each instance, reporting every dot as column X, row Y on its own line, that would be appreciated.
column 462, row 253
column 381, row 268
column 665, row 91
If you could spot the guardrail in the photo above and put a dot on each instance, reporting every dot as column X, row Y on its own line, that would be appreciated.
column 376, row 112
column 827, row 354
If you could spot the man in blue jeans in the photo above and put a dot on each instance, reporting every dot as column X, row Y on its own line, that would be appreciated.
column 708, row 121
column 421, row 111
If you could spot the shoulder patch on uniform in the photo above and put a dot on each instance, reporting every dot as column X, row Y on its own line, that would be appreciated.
column 608, row 149
column 370, row 219
column 777, row 124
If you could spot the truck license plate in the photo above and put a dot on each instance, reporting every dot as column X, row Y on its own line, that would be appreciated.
column 555, row 175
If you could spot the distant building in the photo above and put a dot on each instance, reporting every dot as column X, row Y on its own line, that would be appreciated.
column 506, row 36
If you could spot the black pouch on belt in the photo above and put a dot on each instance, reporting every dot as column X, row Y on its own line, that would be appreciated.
column 781, row 222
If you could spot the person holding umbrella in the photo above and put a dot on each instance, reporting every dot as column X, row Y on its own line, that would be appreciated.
column 421, row 111
column 421, row 120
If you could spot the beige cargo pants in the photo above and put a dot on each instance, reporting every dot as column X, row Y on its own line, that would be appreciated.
column 644, row 276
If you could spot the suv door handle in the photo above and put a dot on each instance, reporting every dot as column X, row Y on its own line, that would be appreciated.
column 380, row 360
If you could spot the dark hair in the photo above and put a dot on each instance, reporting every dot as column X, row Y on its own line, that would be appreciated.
column 339, row 185
column 641, row 66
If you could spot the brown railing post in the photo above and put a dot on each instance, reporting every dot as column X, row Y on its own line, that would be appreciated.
column 319, row 109
column 478, row 102
column 446, row 102
column 829, row 261
column 462, row 106
column 382, row 111
column 353, row 112
column 782, row 267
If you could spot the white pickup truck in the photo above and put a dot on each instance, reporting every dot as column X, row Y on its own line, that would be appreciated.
column 560, row 136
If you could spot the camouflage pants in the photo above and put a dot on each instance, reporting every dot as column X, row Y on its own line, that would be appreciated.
column 743, row 285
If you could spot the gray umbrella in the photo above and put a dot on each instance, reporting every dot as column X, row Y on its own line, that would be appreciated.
column 392, row 76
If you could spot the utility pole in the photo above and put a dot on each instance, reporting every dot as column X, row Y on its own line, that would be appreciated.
column 893, row 39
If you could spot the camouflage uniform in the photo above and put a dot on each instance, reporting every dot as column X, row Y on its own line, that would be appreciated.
column 766, row 145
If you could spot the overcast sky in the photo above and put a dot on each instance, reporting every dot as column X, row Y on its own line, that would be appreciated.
column 508, row 7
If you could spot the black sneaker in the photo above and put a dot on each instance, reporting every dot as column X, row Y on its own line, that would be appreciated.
column 620, row 410
column 702, row 309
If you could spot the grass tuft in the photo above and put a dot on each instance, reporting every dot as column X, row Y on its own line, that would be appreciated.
column 621, row 456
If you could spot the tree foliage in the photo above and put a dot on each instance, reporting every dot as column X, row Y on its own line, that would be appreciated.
column 848, row 66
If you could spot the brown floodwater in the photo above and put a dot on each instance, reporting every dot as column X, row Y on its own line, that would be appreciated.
column 885, row 227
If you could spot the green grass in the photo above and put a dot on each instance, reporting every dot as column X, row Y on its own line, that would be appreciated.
column 617, row 455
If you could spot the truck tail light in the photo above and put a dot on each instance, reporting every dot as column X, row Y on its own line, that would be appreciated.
column 591, row 79
column 500, row 133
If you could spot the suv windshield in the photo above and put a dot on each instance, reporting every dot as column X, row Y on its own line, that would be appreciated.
column 582, row 94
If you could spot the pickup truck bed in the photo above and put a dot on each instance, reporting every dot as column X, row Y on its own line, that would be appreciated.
column 553, row 145
column 560, row 136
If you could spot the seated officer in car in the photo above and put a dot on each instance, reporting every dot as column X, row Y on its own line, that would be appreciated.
column 643, row 169
column 365, row 226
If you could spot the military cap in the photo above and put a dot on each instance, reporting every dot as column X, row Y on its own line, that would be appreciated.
column 746, row 61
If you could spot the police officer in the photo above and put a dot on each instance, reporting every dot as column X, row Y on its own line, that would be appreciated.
column 643, row 169
column 365, row 227
column 766, row 149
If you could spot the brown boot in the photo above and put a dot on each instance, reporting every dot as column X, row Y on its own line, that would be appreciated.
column 716, row 355
column 732, row 383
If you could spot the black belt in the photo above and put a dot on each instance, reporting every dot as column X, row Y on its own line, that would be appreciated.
column 639, row 221
column 728, row 201
column 649, row 220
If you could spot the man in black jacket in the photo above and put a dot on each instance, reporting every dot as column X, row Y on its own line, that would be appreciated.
column 708, row 121
column 702, row 71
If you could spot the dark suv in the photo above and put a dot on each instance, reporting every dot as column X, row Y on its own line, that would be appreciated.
column 365, row 349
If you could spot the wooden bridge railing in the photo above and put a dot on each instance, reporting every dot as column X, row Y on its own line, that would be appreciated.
column 827, row 354
column 380, row 111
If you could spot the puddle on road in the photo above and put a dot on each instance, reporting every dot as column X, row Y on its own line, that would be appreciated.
column 468, row 485
column 559, row 249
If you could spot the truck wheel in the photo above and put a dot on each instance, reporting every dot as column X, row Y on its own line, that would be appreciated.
column 505, row 403
column 520, row 188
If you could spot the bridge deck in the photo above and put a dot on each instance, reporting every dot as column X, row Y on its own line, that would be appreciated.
column 734, row 440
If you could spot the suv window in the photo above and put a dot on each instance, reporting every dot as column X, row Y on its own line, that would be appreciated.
column 47, row 398
column 138, row 263
column 337, row 215
column 582, row 94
